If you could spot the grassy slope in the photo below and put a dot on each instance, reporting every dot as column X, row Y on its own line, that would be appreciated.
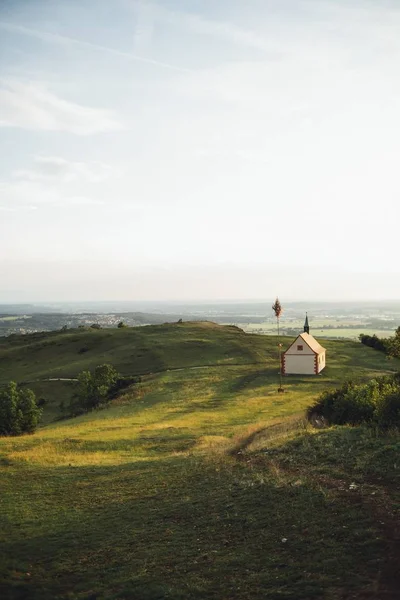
column 158, row 348
column 132, row 350
column 187, row 485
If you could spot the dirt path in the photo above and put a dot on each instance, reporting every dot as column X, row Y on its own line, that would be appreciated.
column 173, row 369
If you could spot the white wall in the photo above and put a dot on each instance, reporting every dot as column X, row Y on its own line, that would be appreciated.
column 321, row 361
column 302, row 362
column 297, row 364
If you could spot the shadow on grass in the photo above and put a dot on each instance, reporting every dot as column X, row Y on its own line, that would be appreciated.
column 178, row 528
column 150, row 440
column 253, row 380
column 359, row 452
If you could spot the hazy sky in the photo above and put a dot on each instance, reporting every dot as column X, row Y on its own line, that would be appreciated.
column 199, row 149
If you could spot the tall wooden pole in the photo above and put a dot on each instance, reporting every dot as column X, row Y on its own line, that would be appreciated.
column 277, row 308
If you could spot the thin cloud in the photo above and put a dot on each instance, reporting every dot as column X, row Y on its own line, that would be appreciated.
column 73, row 201
column 223, row 30
column 55, row 168
column 21, row 207
column 31, row 106
column 56, row 38
column 14, row 195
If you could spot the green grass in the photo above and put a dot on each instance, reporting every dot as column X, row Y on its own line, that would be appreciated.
column 132, row 350
column 142, row 350
column 185, row 487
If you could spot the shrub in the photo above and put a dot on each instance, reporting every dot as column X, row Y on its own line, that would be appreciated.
column 387, row 411
column 376, row 402
column 19, row 412
column 356, row 405
column 97, row 388
column 94, row 388
column 390, row 345
column 122, row 383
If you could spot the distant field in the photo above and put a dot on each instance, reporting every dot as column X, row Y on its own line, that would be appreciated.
column 318, row 329
column 350, row 333
column 198, row 483
column 14, row 318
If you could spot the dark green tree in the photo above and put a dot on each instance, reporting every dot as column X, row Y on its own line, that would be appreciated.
column 87, row 398
column 105, row 377
column 9, row 415
column 19, row 412
column 30, row 413
column 94, row 388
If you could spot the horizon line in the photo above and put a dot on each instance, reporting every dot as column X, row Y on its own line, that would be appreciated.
column 197, row 301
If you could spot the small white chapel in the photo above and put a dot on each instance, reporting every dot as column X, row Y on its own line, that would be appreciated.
column 305, row 356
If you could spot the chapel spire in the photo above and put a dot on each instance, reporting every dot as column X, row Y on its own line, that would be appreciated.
column 306, row 325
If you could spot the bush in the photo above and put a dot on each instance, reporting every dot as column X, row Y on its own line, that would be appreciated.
column 373, row 341
column 94, row 388
column 19, row 412
column 390, row 345
column 121, row 384
column 388, row 410
column 97, row 388
column 376, row 402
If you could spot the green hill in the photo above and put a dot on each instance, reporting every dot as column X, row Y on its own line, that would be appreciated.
column 198, row 483
column 133, row 350
column 140, row 350
column 33, row 359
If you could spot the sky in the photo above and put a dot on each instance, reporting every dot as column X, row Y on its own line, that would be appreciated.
column 193, row 149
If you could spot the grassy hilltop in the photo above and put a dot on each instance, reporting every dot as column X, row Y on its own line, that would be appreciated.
column 132, row 350
column 196, row 483
column 35, row 358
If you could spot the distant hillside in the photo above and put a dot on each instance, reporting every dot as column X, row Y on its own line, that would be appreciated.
column 31, row 322
column 155, row 348
column 133, row 350
column 34, row 358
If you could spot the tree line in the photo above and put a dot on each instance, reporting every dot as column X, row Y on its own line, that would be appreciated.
column 389, row 345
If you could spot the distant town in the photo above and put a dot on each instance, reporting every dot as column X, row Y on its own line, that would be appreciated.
column 327, row 319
